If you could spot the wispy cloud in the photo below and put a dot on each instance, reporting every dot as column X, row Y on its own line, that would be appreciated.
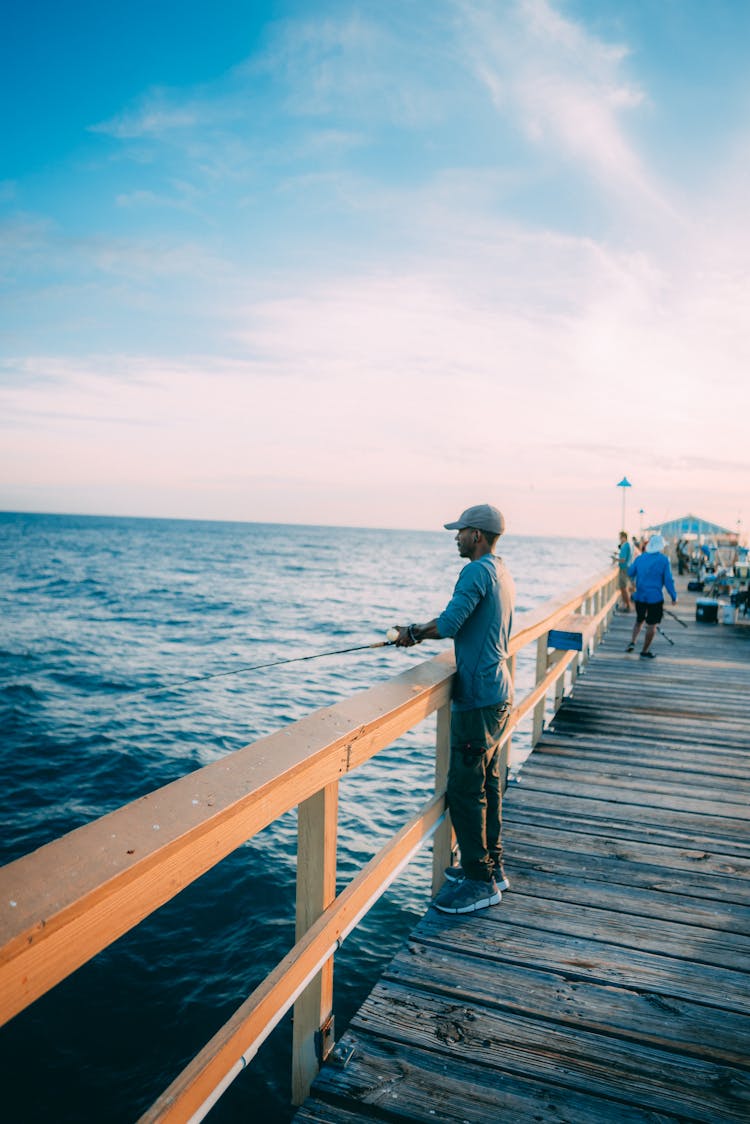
column 566, row 89
column 156, row 119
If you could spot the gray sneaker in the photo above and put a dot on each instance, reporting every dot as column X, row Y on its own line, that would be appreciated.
column 467, row 896
column 457, row 874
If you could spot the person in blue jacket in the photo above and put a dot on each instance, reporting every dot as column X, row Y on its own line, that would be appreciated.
column 478, row 617
column 652, row 574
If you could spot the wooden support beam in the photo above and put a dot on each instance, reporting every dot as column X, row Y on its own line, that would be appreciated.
column 541, row 671
column 316, row 888
column 442, row 846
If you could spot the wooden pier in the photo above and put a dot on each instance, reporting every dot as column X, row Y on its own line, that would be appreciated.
column 613, row 981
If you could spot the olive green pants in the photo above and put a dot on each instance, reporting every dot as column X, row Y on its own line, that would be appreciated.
column 475, row 787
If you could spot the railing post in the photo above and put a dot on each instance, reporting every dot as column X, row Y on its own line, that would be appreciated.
column 600, row 627
column 587, row 607
column 312, row 1032
column 559, row 691
column 541, row 671
column 576, row 664
column 442, row 846
column 611, row 587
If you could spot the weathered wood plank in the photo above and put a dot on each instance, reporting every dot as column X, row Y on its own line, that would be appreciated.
column 582, row 958
column 626, row 899
column 629, row 789
column 393, row 1081
column 321, row 1112
column 587, row 723
column 597, row 816
column 692, row 1028
column 621, row 764
column 680, row 856
column 676, row 871
column 596, row 1063
column 681, row 759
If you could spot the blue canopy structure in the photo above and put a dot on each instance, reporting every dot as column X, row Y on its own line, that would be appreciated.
column 689, row 525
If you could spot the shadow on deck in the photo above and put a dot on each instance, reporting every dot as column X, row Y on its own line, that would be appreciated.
column 613, row 981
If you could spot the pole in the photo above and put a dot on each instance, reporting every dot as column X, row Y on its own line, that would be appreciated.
column 256, row 667
column 624, row 483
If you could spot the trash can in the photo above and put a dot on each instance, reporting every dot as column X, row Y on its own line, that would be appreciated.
column 727, row 612
column 706, row 610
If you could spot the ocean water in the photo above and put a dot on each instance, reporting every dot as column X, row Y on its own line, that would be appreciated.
column 97, row 612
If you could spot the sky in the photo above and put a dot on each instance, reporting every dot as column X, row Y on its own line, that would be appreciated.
column 370, row 263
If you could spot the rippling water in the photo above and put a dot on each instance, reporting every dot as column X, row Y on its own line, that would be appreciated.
column 95, row 612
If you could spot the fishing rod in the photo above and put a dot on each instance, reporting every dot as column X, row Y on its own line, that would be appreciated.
column 667, row 638
column 391, row 637
column 675, row 617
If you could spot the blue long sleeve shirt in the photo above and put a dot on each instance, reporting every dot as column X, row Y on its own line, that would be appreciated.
column 479, row 617
column 652, row 573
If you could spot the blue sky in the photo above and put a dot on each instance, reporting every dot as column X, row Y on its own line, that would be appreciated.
column 371, row 263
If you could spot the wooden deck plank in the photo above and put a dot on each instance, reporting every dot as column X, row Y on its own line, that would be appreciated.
column 396, row 1082
column 613, row 981
column 656, row 755
column 582, row 958
column 661, row 1080
column 623, row 898
column 613, row 926
column 578, row 773
column 568, row 854
column 627, row 1012
column 643, row 791
column 704, row 831
column 678, row 856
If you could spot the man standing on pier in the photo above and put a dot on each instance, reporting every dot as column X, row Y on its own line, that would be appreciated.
column 652, row 574
column 624, row 558
column 478, row 618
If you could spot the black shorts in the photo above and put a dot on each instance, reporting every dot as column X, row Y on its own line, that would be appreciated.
column 650, row 613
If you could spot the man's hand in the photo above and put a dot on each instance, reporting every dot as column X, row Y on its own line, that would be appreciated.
column 406, row 637
column 411, row 634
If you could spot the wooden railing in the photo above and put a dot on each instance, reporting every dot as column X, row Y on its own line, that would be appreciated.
column 65, row 902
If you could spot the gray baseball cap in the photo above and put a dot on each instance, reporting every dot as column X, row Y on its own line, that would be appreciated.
column 483, row 516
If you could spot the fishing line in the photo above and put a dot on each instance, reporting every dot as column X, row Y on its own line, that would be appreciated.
column 259, row 666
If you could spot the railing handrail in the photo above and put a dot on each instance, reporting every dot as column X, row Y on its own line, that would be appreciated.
column 77, row 894
column 65, row 902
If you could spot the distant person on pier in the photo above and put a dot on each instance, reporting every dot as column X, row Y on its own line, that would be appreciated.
column 652, row 574
column 625, row 555
column 478, row 617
